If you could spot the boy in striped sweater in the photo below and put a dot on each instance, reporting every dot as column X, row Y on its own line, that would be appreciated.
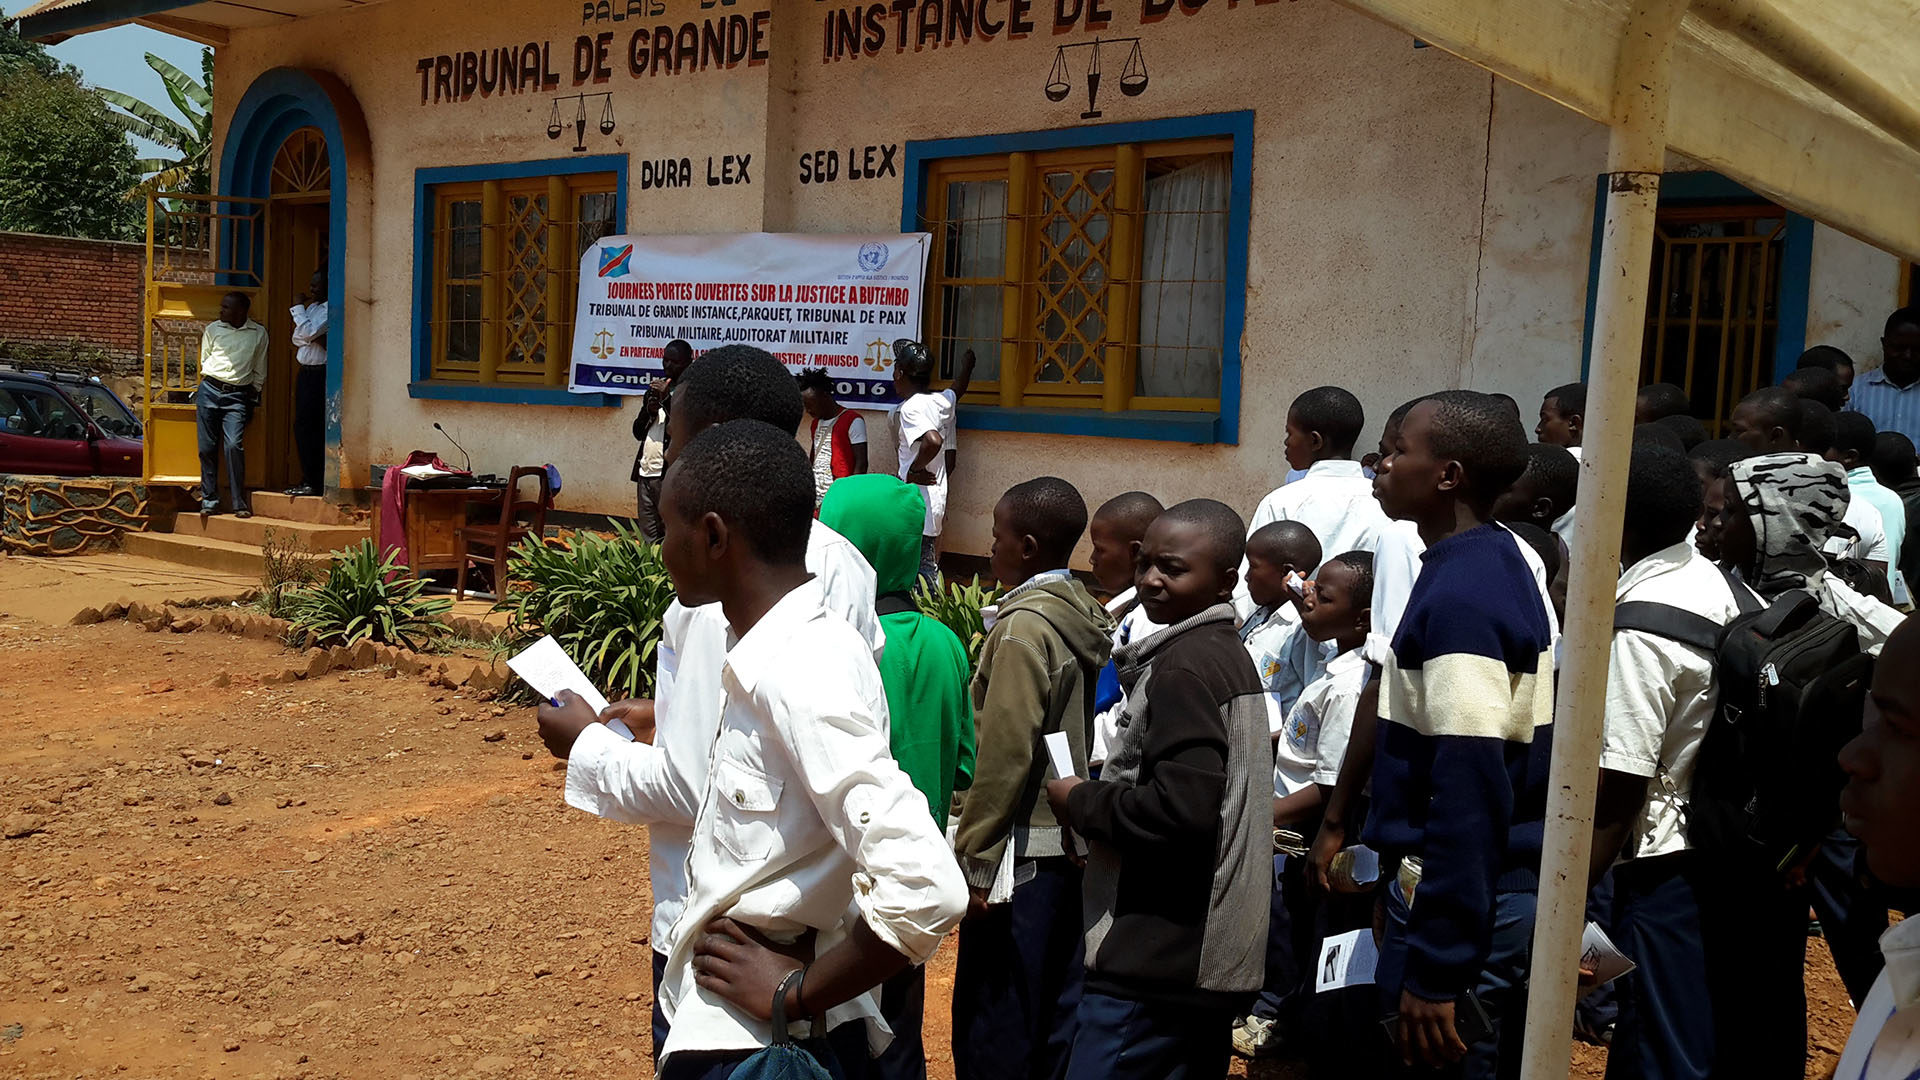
column 1460, row 767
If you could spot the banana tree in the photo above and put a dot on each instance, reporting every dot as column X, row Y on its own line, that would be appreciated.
column 191, row 142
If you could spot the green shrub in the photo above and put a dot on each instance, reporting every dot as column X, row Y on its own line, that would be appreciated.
column 959, row 607
column 601, row 597
column 365, row 596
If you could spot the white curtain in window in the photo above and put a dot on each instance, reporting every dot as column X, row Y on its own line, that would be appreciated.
column 976, row 248
column 1183, row 292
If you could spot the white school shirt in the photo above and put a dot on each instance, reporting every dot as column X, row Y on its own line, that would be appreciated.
column 1865, row 520
column 1284, row 657
column 1661, row 694
column 1863, row 488
column 1128, row 628
column 1315, row 738
column 916, row 416
column 1396, row 565
column 806, row 822
column 1885, row 1042
column 659, row 785
column 309, row 322
column 1335, row 500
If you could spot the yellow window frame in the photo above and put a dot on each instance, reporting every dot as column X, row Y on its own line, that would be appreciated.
column 558, row 266
column 1023, row 305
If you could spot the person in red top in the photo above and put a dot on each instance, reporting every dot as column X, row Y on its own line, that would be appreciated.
column 838, row 437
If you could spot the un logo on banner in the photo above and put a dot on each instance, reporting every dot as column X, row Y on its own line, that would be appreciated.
column 873, row 257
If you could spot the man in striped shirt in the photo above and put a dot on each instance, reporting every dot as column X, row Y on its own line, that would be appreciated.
column 1890, row 395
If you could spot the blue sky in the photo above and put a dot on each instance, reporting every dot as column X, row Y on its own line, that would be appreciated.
column 116, row 60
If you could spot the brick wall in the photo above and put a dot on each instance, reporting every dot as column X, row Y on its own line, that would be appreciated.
column 70, row 303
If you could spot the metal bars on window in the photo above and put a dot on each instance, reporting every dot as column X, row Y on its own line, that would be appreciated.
column 505, row 274
column 1087, row 278
column 1713, row 310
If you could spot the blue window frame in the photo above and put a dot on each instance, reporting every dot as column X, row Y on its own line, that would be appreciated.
column 429, row 187
column 1049, row 398
column 1694, row 202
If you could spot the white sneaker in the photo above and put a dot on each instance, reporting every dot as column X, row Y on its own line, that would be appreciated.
column 1255, row 1037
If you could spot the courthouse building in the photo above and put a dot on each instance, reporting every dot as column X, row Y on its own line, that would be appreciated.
column 1155, row 221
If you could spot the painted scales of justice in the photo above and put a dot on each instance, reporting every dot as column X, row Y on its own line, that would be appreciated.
column 1133, row 74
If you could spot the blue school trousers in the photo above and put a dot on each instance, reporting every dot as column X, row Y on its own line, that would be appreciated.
column 903, row 1005
column 1501, row 986
column 1667, row 1014
column 1293, row 934
column 1017, row 978
column 1120, row 1039
column 659, row 1011
column 1852, row 909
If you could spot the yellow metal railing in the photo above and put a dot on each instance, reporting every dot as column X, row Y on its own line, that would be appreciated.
column 199, row 248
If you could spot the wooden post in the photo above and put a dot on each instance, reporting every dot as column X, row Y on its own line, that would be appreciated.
column 493, row 274
column 560, row 266
column 1013, row 375
column 1123, row 280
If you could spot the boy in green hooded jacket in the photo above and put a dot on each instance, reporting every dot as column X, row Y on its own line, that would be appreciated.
column 930, row 715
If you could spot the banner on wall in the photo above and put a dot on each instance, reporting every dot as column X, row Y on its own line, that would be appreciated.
column 833, row 302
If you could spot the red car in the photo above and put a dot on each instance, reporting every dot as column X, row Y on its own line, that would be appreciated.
column 65, row 425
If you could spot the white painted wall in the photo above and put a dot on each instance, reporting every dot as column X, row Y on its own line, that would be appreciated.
column 1415, row 224
column 1853, row 288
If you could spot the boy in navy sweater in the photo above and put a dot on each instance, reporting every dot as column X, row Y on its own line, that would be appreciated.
column 1460, row 765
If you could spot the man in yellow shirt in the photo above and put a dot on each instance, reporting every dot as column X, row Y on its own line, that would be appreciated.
column 233, row 367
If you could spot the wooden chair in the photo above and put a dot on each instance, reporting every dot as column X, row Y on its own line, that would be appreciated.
column 518, row 519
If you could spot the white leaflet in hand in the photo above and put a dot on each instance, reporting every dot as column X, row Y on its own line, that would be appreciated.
column 546, row 667
column 1346, row 960
column 1601, row 956
column 1060, row 753
column 1062, row 756
column 619, row 727
column 1001, row 890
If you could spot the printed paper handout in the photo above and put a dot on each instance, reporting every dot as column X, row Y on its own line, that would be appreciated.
column 1599, row 955
column 546, row 667
column 1346, row 960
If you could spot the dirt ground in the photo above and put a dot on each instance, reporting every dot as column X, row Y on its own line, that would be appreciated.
column 358, row 876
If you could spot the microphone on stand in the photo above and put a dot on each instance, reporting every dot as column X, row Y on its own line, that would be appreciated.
column 456, row 445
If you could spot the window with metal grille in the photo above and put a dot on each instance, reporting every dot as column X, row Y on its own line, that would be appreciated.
column 506, row 259
column 1713, row 311
column 1093, row 277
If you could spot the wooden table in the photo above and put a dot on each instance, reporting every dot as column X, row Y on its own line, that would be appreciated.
column 432, row 516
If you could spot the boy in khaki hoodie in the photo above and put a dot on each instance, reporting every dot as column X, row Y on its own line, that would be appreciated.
column 1021, row 962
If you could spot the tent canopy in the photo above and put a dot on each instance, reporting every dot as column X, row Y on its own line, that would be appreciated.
column 1809, row 101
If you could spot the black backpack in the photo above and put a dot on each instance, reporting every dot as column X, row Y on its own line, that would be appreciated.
column 1793, row 681
column 1855, row 572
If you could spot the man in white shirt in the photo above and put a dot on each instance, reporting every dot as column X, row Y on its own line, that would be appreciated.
column 311, row 331
column 659, row 785
column 1853, row 450
column 1335, row 497
column 1676, row 1010
column 1116, row 530
column 233, row 368
column 816, row 871
column 1880, row 805
column 925, row 422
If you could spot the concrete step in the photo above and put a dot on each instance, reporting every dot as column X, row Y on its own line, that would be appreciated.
column 253, row 531
column 201, row 551
column 308, row 508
